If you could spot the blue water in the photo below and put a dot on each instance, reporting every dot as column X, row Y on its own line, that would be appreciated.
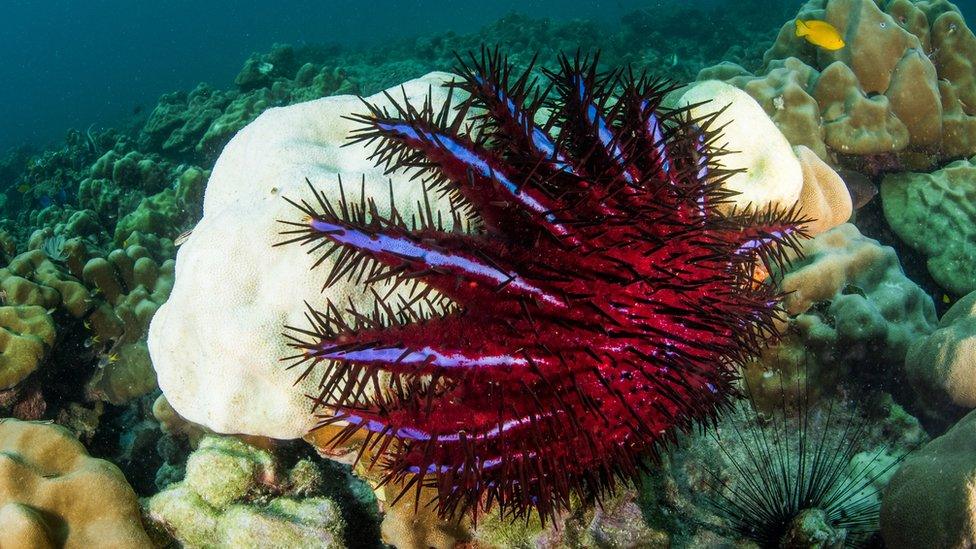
column 69, row 64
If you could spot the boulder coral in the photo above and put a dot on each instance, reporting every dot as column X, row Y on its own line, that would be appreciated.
column 942, row 366
column 771, row 173
column 210, row 366
column 53, row 494
column 935, row 214
column 929, row 501
column 852, row 313
column 902, row 86
column 236, row 495
column 26, row 338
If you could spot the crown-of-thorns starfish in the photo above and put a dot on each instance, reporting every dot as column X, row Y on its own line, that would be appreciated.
column 599, row 305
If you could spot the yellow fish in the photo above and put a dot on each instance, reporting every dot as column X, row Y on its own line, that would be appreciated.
column 23, row 188
column 819, row 33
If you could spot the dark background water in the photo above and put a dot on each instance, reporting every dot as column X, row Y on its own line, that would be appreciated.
column 71, row 63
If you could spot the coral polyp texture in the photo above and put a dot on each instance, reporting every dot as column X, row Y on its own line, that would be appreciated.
column 600, row 303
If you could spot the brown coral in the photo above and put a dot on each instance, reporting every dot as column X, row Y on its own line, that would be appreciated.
column 824, row 197
column 53, row 494
column 905, row 83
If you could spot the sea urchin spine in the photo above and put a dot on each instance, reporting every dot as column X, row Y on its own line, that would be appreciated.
column 600, row 305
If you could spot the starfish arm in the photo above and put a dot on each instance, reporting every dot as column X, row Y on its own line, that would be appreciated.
column 450, row 263
column 479, row 175
column 510, row 122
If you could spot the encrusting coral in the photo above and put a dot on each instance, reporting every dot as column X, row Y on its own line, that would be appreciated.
column 53, row 494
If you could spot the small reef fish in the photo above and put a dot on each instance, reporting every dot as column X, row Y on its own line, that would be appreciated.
column 860, row 186
column 59, row 198
column 819, row 33
column 183, row 237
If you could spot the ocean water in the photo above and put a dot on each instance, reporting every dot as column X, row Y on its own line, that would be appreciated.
column 72, row 65
column 705, row 277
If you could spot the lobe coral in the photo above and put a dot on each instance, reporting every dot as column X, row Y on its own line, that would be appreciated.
column 599, row 304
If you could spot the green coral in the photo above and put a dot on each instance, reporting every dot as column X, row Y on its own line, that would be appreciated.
column 27, row 334
column 935, row 214
column 236, row 495
column 853, row 314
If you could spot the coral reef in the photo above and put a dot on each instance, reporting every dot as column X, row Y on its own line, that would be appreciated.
column 942, row 366
column 236, row 495
column 53, row 494
column 240, row 390
column 902, row 87
column 935, row 214
column 131, row 286
column 89, row 228
column 928, row 502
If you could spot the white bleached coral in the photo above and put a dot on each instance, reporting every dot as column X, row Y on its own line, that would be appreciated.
column 216, row 343
column 771, row 174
